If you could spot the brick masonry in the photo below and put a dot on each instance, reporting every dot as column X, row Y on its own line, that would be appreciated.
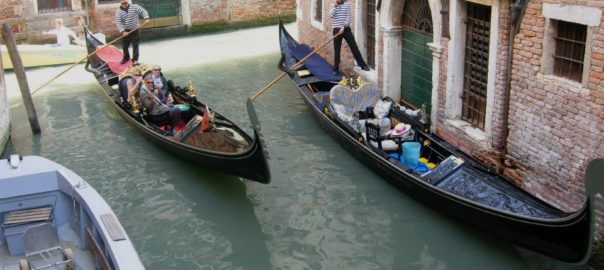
column 555, row 127
column 28, row 26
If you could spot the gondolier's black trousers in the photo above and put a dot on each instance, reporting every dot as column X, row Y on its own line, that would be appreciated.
column 337, row 45
column 132, row 38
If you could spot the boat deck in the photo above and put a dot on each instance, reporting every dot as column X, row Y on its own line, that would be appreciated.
column 84, row 259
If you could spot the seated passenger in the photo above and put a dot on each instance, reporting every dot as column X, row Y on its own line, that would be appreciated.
column 132, row 85
column 160, row 85
column 153, row 105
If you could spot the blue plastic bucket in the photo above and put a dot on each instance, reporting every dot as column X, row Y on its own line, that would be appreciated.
column 411, row 153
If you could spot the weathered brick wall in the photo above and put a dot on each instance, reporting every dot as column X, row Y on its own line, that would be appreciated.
column 102, row 18
column 316, row 37
column 555, row 128
column 28, row 26
column 12, row 9
column 242, row 10
column 208, row 11
column 205, row 11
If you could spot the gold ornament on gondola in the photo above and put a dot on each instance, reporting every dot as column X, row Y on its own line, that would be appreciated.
column 134, row 104
column 360, row 80
column 191, row 89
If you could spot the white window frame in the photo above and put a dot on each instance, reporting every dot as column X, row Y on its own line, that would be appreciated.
column 588, row 16
column 313, row 22
column 456, row 70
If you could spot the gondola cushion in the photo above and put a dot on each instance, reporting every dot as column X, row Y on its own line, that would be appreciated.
column 346, row 101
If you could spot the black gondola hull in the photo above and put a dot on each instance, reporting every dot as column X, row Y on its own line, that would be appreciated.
column 565, row 238
column 250, row 164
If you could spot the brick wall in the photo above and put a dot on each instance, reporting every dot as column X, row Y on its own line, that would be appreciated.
column 28, row 26
column 208, row 11
column 242, row 10
column 555, row 127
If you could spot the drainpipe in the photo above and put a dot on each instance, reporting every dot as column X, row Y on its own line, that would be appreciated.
column 517, row 9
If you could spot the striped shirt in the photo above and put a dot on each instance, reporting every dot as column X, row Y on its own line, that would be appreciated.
column 340, row 14
column 126, row 20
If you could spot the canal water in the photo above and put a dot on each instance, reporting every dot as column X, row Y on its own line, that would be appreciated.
column 323, row 209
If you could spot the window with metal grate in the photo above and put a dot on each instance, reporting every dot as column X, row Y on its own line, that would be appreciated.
column 370, row 33
column 570, row 50
column 478, row 23
column 51, row 6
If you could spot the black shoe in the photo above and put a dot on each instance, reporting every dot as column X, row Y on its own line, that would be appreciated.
column 365, row 68
column 124, row 61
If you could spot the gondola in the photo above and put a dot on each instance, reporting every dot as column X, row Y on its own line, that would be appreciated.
column 53, row 219
column 223, row 146
column 443, row 177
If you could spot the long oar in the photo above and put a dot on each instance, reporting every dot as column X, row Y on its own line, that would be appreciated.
column 296, row 65
column 86, row 57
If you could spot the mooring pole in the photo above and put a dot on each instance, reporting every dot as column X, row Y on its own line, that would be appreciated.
column 15, row 58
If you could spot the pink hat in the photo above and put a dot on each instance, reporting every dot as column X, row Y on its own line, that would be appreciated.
column 400, row 129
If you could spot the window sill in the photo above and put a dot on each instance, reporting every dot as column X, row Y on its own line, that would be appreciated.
column 475, row 134
column 573, row 86
column 317, row 24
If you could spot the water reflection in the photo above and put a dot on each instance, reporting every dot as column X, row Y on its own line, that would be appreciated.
column 323, row 209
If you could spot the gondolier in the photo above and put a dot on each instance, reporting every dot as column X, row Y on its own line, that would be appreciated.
column 340, row 20
column 126, row 20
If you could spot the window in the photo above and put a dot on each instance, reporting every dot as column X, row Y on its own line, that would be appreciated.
column 50, row 6
column 370, row 33
column 474, row 97
column 317, row 11
column 570, row 50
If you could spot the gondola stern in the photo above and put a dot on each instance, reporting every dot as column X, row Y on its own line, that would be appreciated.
column 594, row 187
column 261, row 151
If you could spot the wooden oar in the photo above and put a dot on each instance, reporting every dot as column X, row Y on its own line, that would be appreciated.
column 86, row 57
column 294, row 66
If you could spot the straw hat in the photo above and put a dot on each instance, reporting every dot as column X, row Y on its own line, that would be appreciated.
column 400, row 129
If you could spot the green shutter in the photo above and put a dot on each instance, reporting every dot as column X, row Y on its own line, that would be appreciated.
column 416, row 75
column 159, row 9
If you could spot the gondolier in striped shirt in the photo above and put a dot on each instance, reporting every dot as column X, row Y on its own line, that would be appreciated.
column 340, row 18
column 126, row 20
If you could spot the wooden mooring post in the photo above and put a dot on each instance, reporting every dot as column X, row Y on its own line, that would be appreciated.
column 15, row 58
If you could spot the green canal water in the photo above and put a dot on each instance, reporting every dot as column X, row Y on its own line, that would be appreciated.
column 323, row 209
